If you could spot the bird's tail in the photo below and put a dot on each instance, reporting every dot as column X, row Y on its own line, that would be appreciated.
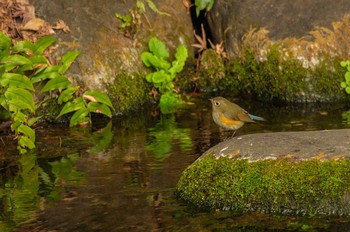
column 254, row 117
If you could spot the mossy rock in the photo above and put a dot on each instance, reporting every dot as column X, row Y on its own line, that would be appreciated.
column 311, row 187
column 283, row 78
column 129, row 92
column 291, row 173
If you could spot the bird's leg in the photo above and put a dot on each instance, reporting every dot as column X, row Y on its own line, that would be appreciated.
column 233, row 135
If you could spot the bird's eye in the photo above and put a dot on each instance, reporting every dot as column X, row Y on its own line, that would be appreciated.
column 217, row 103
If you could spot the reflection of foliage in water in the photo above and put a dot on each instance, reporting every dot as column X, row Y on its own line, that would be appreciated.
column 21, row 196
column 162, row 137
column 102, row 138
column 346, row 116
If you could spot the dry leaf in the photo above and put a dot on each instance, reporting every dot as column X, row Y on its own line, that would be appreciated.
column 61, row 25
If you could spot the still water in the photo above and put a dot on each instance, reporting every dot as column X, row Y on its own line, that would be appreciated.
column 121, row 175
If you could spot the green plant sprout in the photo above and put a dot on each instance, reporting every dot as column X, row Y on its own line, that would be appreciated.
column 346, row 84
column 132, row 21
column 25, row 71
column 165, row 72
column 203, row 4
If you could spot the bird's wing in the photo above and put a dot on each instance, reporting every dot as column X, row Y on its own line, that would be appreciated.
column 244, row 117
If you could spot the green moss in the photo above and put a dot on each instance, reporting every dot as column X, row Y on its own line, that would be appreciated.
column 282, row 77
column 128, row 93
column 310, row 187
column 212, row 70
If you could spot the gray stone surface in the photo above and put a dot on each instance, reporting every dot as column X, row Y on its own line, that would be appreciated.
column 326, row 144
column 106, row 51
column 229, row 20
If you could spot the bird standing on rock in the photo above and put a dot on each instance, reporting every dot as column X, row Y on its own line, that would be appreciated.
column 230, row 115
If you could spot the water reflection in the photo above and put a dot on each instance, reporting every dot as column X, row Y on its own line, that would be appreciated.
column 120, row 175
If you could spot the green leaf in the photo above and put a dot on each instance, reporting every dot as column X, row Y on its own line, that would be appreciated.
column 19, row 99
column 203, row 4
column 99, row 108
column 347, row 78
column 67, row 94
column 140, row 6
column 27, row 131
column 24, row 46
column 32, row 121
column 38, row 60
column 159, row 76
column 57, row 83
column 13, row 61
column 48, row 73
column 76, row 104
column 16, row 80
column 24, row 141
column 79, row 116
column 5, row 44
column 158, row 48
column 41, row 44
column 155, row 9
column 343, row 85
column 98, row 96
column 19, row 117
column 344, row 63
column 181, row 53
column 67, row 60
column 145, row 57
column 347, row 90
column 169, row 102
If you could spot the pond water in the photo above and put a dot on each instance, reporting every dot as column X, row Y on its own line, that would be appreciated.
column 121, row 175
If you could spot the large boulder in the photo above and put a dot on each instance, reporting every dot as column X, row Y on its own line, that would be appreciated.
column 111, row 55
column 276, row 173
column 279, row 50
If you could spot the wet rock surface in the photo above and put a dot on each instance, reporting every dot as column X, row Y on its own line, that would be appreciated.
column 325, row 144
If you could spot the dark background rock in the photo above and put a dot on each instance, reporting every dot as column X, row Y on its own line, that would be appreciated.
column 229, row 20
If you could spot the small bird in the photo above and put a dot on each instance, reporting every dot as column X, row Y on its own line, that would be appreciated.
column 229, row 115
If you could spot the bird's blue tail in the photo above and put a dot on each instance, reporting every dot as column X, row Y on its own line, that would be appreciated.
column 254, row 117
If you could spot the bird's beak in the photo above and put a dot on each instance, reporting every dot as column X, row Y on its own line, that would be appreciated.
column 210, row 99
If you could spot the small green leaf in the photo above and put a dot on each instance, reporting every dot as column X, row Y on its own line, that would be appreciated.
column 41, row 44
column 140, row 6
column 79, row 116
column 67, row 94
column 99, row 108
column 344, row 63
column 38, row 60
column 16, row 80
column 67, row 60
column 24, row 46
column 27, row 131
column 13, row 61
column 19, row 99
column 24, row 141
column 159, row 76
column 343, row 85
column 99, row 97
column 5, row 44
column 347, row 78
column 32, row 121
column 155, row 9
column 145, row 57
column 203, row 4
column 158, row 48
column 347, row 90
column 19, row 117
column 57, row 83
column 76, row 104
column 43, row 75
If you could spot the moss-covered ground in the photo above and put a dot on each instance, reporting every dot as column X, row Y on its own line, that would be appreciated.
column 311, row 187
